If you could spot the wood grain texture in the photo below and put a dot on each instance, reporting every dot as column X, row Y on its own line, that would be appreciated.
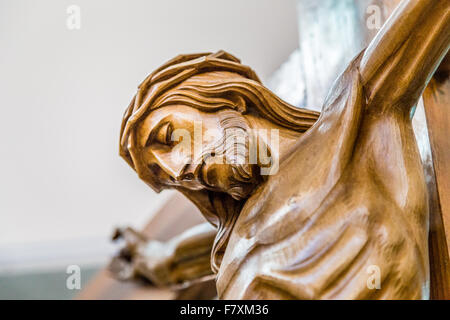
column 437, row 107
column 311, row 40
column 349, row 194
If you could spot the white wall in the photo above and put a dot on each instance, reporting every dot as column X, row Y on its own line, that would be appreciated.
column 63, row 94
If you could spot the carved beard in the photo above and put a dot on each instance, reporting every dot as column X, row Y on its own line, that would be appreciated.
column 225, row 165
column 236, row 180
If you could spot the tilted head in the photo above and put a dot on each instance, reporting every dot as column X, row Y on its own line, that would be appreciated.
column 189, row 128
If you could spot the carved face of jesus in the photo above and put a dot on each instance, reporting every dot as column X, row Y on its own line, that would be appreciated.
column 184, row 147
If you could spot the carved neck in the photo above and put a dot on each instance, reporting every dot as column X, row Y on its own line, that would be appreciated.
column 226, row 208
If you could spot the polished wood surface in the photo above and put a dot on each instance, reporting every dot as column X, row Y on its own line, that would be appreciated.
column 345, row 193
column 437, row 107
column 348, row 37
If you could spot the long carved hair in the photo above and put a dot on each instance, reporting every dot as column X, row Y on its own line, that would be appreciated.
column 208, row 82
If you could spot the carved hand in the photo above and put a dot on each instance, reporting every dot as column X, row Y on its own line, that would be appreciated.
column 123, row 265
column 178, row 262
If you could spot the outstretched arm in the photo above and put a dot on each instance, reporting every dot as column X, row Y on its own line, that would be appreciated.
column 184, row 259
column 402, row 58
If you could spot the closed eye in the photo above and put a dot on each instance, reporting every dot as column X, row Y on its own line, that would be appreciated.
column 162, row 135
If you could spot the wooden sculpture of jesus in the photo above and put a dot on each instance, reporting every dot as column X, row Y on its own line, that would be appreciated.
column 348, row 196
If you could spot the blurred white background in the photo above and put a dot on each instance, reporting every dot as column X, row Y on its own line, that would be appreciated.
column 63, row 92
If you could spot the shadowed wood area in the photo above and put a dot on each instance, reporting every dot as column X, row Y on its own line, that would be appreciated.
column 436, row 101
column 437, row 108
column 355, row 189
column 177, row 215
